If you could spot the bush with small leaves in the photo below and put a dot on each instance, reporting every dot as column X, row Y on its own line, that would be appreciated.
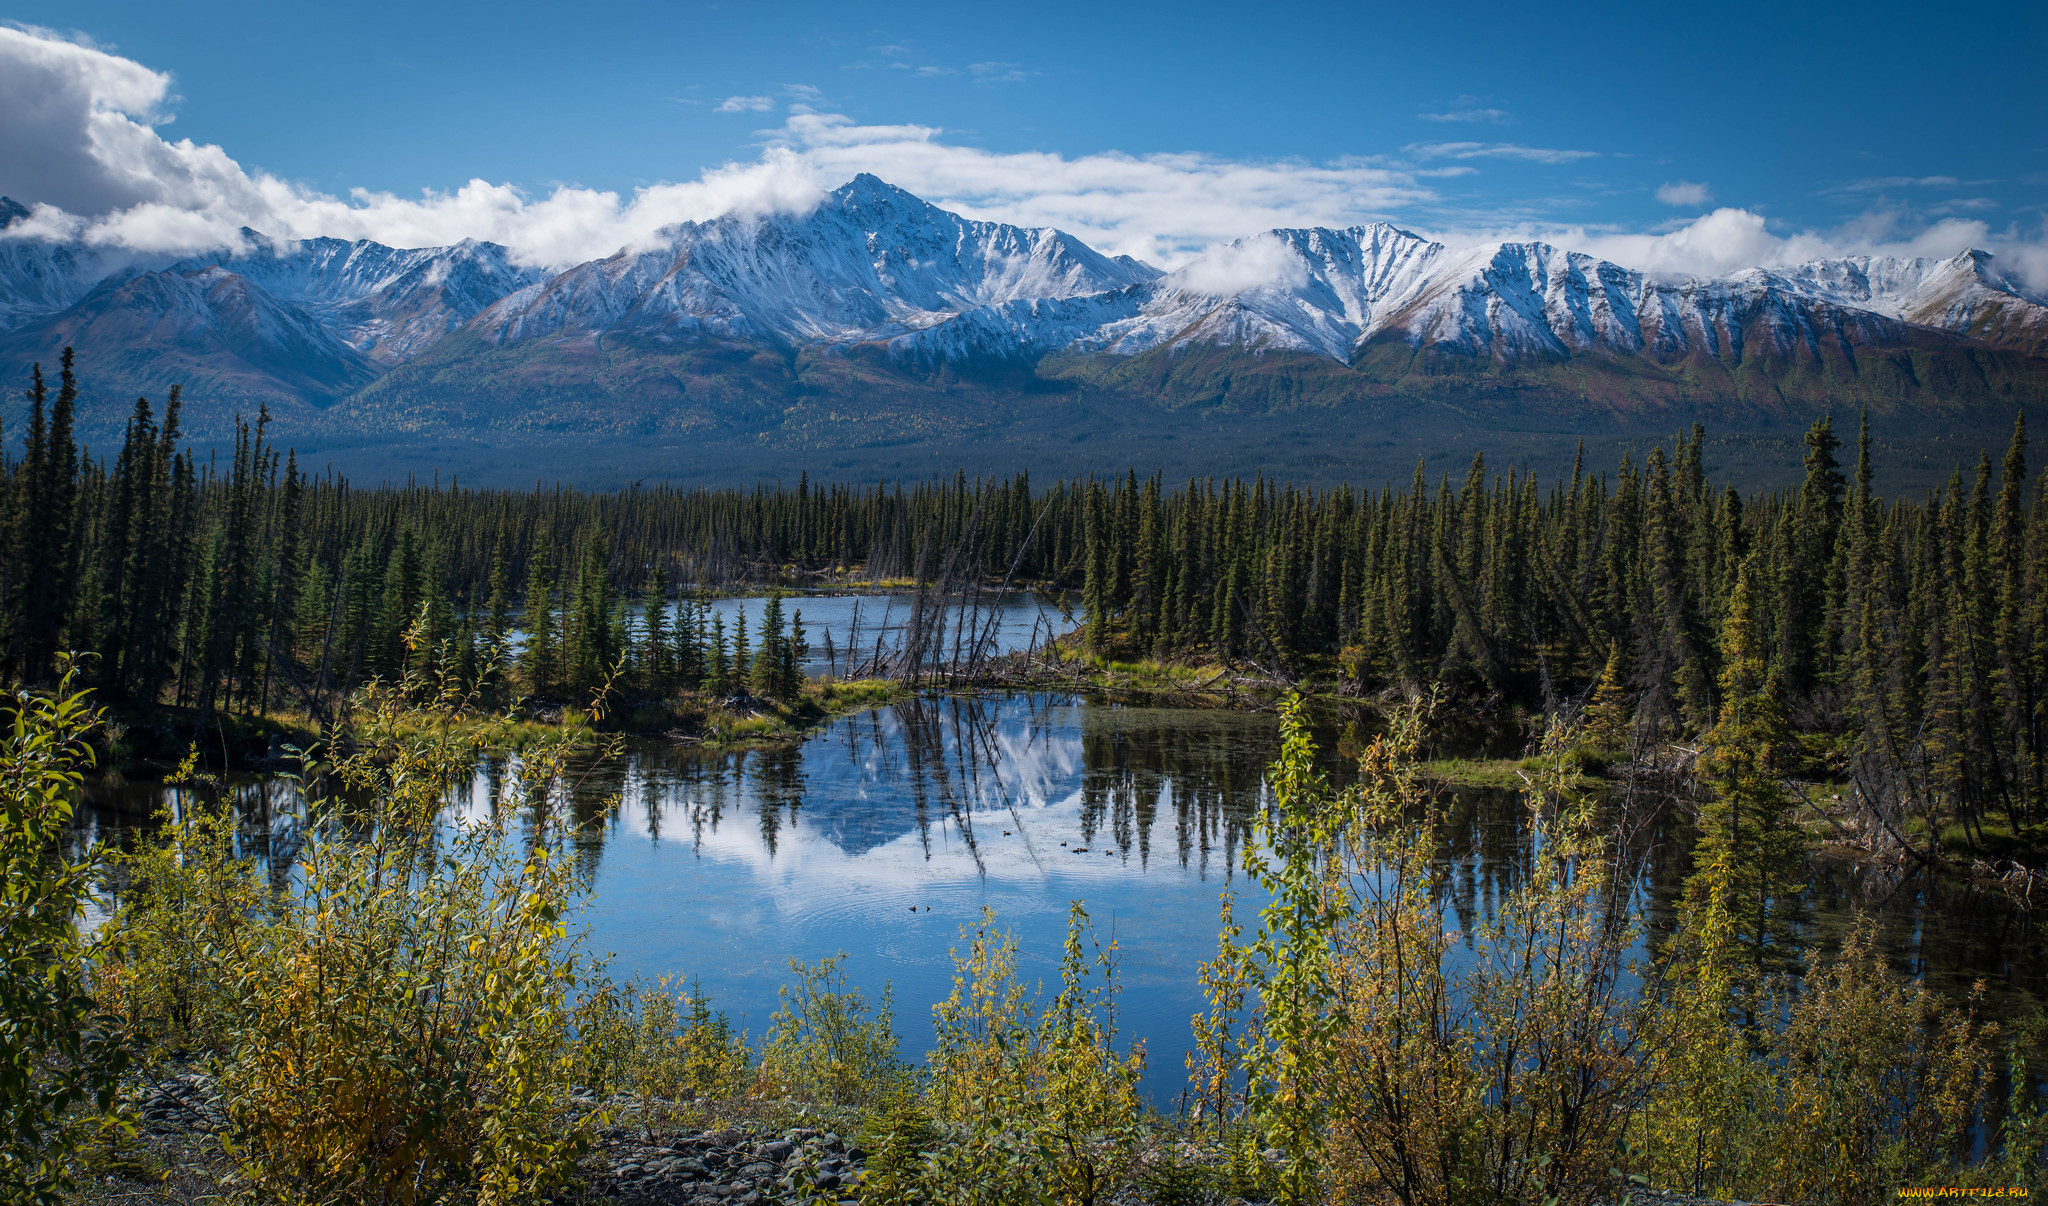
column 60, row 1060
column 827, row 1044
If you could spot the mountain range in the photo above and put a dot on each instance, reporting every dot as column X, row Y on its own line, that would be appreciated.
column 877, row 321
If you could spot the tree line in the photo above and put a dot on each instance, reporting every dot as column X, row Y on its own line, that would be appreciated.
column 1907, row 637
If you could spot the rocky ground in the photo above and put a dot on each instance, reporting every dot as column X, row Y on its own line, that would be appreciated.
column 729, row 1166
column 176, row 1162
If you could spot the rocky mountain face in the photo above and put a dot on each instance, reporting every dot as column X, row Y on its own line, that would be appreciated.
column 38, row 278
column 871, row 263
column 875, row 294
column 208, row 329
column 387, row 303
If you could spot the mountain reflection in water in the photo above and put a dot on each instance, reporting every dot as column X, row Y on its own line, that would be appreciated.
column 887, row 832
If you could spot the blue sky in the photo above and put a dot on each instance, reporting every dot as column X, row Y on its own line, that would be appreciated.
column 1154, row 129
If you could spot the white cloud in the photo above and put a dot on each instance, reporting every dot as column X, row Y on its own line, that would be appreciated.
column 1729, row 240
column 746, row 104
column 1468, row 115
column 1873, row 184
column 1163, row 208
column 1253, row 263
column 80, row 143
column 999, row 73
column 1688, row 193
column 1494, row 150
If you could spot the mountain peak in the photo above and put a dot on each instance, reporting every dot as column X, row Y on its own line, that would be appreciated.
column 870, row 189
column 11, row 211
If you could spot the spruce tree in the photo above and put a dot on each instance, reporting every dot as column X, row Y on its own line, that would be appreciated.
column 764, row 670
column 1751, row 854
column 742, row 656
column 541, row 663
column 656, row 666
column 717, row 668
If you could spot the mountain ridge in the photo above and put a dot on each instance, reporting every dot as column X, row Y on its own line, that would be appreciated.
column 881, row 308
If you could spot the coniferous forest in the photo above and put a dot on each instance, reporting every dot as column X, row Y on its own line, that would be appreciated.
column 1908, row 636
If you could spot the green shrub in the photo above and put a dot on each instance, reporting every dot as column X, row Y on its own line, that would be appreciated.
column 1040, row 1109
column 60, row 1061
column 901, row 1139
column 827, row 1044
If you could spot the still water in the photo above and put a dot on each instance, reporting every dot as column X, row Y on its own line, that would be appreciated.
column 885, row 834
column 889, row 830
column 848, row 632
column 860, row 626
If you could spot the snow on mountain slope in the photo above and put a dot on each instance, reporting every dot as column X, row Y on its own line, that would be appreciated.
column 873, row 266
column 1967, row 293
column 204, row 327
column 871, row 262
column 1331, row 292
column 1025, row 328
column 38, row 277
column 388, row 303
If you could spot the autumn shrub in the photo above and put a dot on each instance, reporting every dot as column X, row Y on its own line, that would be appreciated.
column 1038, row 1105
column 388, row 1022
column 658, row 1049
column 1383, row 1061
column 1838, row 1086
column 827, row 1044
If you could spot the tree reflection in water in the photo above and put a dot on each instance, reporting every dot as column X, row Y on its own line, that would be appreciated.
column 883, row 834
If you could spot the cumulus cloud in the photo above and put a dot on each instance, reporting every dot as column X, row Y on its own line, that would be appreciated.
column 81, row 139
column 746, row 104
column 1688, row 193
column 1162, row 208
column 1254, row 263
column 1730, row 240
column 82, row 143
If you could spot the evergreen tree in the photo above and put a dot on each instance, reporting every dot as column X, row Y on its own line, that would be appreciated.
column 1610, row 716
column 541, row 662
column 1750, row 855
column 717, row 668
column 764, row 670
column 656, row 666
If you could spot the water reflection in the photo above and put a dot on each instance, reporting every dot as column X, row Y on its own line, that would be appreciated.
column 886, row 833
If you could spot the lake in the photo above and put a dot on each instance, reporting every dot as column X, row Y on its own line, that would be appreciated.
column 887, row 831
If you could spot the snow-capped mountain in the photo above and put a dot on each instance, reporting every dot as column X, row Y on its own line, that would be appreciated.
column 38, row 277
column 1333, row 292
column 875, row 279
column 388, row 303
column 1967, row 294
column 871, row 262
column 203, row 327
